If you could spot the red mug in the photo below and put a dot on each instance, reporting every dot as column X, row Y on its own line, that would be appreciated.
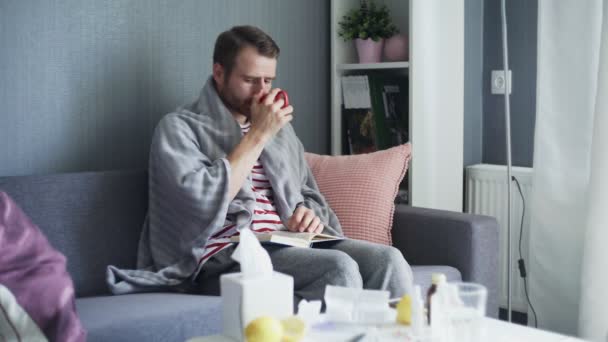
column 282, row 93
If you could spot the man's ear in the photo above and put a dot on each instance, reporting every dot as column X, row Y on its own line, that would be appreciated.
column 218, row 74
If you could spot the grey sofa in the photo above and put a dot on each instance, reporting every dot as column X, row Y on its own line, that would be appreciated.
column 95, row 218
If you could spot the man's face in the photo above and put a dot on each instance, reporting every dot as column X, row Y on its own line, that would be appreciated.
column 252, row 74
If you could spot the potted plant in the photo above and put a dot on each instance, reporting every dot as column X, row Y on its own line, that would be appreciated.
column 368, row 25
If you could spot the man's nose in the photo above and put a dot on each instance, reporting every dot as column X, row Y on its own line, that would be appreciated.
column 262, row 86
column 259, row 86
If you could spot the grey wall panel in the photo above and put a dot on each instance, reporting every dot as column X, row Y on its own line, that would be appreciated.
column 83, row 82
column 473, row 82
column 522, row 33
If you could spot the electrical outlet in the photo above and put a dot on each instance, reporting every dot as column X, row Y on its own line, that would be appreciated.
column 498, row 81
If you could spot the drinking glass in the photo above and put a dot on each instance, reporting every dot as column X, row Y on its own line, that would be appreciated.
column 464, row 317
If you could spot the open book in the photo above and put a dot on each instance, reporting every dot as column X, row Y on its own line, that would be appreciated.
column 290, row 238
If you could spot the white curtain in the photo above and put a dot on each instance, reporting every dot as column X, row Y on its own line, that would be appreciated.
column 569, row 222
column 593, row 320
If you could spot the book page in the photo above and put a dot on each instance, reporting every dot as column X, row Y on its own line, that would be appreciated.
column 290, row 238
column 294, row 235
column 355, row 92
column 305, row 236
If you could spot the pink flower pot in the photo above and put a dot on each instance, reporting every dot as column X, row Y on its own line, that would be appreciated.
column 368, row 50
column 396, row 48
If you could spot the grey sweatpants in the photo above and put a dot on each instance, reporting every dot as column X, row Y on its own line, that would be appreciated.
column 350, row 263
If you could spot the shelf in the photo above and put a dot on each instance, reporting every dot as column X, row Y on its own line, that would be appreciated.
column 434, row 118
column 371, row 66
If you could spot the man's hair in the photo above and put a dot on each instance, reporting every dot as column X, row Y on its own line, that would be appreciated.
column 230, row 43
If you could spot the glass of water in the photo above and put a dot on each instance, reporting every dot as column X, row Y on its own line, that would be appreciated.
column 464, row 317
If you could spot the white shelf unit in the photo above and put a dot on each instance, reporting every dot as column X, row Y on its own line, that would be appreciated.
column 435, row 71
column 373, row 66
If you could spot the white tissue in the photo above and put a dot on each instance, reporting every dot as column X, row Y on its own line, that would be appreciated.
column 310, row 312
column 255, row 291
column 254, row 259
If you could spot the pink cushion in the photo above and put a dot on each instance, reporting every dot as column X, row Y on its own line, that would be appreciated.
column 36, row 275
column 361, row 189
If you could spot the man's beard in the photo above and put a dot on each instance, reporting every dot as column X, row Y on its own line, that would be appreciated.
column 236, row 106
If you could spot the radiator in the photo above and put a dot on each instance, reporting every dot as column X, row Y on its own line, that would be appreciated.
column 486, row 194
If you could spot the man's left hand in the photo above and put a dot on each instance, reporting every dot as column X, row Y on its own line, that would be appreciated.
column 304, row 220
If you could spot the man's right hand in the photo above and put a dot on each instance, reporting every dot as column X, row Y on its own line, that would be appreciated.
column 267, row 117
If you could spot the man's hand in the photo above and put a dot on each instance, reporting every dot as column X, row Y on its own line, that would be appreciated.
column 304, row 220
column 267, row 117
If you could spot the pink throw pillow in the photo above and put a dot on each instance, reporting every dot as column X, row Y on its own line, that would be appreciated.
column 361, row 189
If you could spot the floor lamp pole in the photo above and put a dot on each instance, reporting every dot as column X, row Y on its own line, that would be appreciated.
column 505, row 60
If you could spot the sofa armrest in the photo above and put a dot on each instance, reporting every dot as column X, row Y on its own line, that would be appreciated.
column 465, row 241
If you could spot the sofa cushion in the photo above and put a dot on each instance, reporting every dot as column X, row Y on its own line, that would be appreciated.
column 150, row 317
column 93, row 218
column 361, row 189
column 36, row 274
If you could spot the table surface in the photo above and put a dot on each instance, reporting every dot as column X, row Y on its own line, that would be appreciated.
column 500, row 331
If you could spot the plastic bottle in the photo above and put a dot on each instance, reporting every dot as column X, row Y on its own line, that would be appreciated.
column 417, row 311
column 436, row 280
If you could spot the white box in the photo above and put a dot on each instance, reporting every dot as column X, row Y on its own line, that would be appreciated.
column 244, row 300
column 354, row 305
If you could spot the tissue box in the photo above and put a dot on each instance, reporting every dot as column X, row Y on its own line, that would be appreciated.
column 245, row 299
column 357, row 305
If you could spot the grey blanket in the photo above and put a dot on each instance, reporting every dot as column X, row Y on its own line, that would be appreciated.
column 188, row 192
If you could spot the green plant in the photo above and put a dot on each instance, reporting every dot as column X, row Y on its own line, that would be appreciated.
column 367, row 21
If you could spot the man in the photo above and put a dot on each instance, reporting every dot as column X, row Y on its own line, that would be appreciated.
column 232, row 160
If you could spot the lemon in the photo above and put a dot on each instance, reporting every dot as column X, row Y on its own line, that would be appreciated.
column 264, row 329
column 404, row 310
column 294, row 329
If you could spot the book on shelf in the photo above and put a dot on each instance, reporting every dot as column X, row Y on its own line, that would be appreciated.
column 360, row 130
column 288, row 238
column 375, row 112
column 394, row 115
column 389, row 100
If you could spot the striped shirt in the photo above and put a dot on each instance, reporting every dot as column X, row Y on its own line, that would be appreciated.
column 265, row 215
